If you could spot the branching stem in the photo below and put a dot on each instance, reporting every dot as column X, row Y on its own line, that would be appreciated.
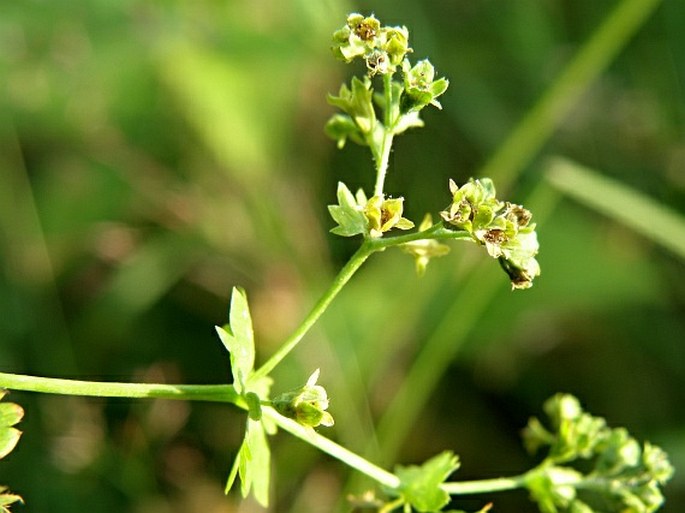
column 499, row 484
column 226, row 393
column 331, row 448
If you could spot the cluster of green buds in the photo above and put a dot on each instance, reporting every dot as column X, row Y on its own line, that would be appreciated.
column 502, row 227
column 306, row 405
column 623, row 475
column 384, row 50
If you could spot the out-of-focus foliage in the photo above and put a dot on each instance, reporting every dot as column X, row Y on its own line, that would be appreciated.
column 155, row 154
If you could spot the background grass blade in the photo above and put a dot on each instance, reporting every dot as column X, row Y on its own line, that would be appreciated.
column 625, row 205
column 548, row 113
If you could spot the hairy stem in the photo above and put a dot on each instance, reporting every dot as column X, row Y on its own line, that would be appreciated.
column 369, row 247
column 386, row 144
column 331, row 448
column 437, row 232
column 218, row 393
column 319, row 308
column 226, row 393
column 499, row 484
column 381, row 476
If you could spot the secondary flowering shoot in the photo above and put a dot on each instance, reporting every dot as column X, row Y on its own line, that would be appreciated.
column 618, row 472
column 502, row 227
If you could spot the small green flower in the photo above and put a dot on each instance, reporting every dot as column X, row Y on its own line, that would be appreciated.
column 424, row 250
column 395, row 42
column 306, row 405
column 473, row 205
column 421, row 87
column 366, row 29
column 384, row 215
column 357, row 38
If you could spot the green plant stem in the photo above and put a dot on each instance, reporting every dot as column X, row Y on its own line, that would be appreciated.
column 217, row 393
column 386, row 144
column 319, row 308
column 378, row 474
column 226, row 393
column 499, row 484
column 220, row 393
column 331, row 448
column 370, row 246
column 437, row 231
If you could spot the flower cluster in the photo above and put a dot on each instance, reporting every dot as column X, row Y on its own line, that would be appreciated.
column 623, row 475
column 502, row 227
column 307, row 405
column 384, row 50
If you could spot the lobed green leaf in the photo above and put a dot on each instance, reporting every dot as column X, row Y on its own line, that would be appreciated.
column 238, row 338
column 253, row 464
column 420, row 485
column 348, row 213
column 10, row 414
column 7, row 499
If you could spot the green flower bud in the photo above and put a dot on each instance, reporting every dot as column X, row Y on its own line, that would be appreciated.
column 357, row 103
column 521, row 276
column 655, row 462
column 619, row 473
column 342, row 126
column 424, row 250
column 306, row 405
column 395, row 42
column 518, row 259
column 383, row 48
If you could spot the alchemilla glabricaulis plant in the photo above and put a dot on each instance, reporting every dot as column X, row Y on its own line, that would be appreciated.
column 586, row 465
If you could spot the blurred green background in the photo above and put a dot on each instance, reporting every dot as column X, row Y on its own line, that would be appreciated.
column 155, row 154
